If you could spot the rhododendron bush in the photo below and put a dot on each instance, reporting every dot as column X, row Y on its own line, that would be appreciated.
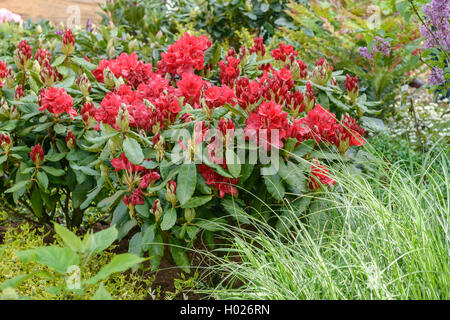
column 173, row 148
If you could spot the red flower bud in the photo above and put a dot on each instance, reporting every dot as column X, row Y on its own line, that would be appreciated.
column 37, row 154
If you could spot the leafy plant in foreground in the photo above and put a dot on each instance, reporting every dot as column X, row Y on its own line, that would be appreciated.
column 67, row 264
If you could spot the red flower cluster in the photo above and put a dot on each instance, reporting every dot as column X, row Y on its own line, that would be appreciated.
column 42, row 55
column 37, row 154
column 229, row 70
column 129, row 67
column 147, row 177
column 3, row 70
column 260, row 125
column 190, row 87
column 150, row 107
column 319, row 176
column 283, row 52
column 56, row 101
column 23, row 54
column 68, row 42
column 258, row 46
column 224, row 185
column 5, row 142
column 351, row 84
column 185, row 55
column 348, row 134
column 248, row 92
column 19, row 94
column 219, row 96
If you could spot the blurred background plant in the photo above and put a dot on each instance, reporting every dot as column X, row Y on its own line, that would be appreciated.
column 367, row 38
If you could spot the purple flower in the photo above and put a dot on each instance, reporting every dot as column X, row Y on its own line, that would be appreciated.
column 363, row 51
column 382, row 46
column 436, row 76
column 437, row 14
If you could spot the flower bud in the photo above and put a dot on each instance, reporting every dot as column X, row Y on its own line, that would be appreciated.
column 123, row 118
column 171, row 192
column 70, row 140
column 4, row 108
column 159, row 144
column 157, row 210
column 10, row 79
column 189, row 214
column 310, row 100
column 37, row 155
column 19, row 94
column 133, row 46
column 351, row 84
column 5, row 142
column 23, row 55
column 38, row 29
column 36, row 67
column 109, row 79
column 49, row 75
column 14, row 114
column 322, row 72
column 68, row 43
column 84, row 84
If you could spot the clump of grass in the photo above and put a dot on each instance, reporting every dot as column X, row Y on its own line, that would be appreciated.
column 369, row 238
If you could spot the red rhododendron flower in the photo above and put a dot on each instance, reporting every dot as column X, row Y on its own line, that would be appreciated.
column 123, row 163
column 3, row 70
column 248, row 92
column 348, row 134
column 283, row 52
column 148, row 179
column 224, row 185
column 190, row 87
column 321, row 123
column 260, row 124
column 258, row 46
column 126, row 66
column 229, row 70
column 56, row 101
column 135, row 199
column 185, row 55
column 319, row 176
column 218, row 96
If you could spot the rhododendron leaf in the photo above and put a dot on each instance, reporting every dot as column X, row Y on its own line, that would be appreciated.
column 36, row 203
column 83, row 63
column 66, row 83
column 106, row 203
column 59, row 128
column 338, row 103
column 42, row 127
column 186, row 182
column 195, row 202
column 3, row 158
column 55, row 157
column 202, row 187
column 169, row 219
column 292, row 175
column 133, row 151
column 143, row 210
column 120, row 214
column 135, row 244
column 233, row 163
column 54, row 171
column 42, row 180
column 233, row 208
column 16, row 187
column 304, row 148
column 58, row 61
column 179, row 254
column 275, row 186
column 156, row 250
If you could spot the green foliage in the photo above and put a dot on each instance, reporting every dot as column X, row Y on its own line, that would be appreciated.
column 339, row 30
column 39, row 271
column 222, row 20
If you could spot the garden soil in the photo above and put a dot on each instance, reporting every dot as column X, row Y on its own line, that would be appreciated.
column 54, row 10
